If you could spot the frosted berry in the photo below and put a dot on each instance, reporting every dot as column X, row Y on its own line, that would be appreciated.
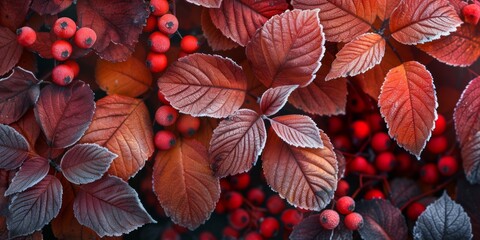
column 188, row 125
column 233, row 200
column 353, row 221
column 61, row 50
column 385, row 161
column 240, row 181
column 159, row 7
column 429, row 173
column 342, row 188
column 239, row 219
column 150, row 24
column 64, row 27
column 156, row 62
column 165, row 140
column 440, row 125
column 471, row 13
column 361, row 129
column 437, row 145
column 374, row 194
column 345, row 205
column 269, row 227
column 381, row 142
column 166, row 115
column 414, row 210
column 290, row 218
column 447, row 165
column 329, row 219
column 85, row 37
column 275, row 204
column 189, row 44
column 74, row 65
column 159, row 42
column 26, row 36
column 168, row 24
column 62, row 75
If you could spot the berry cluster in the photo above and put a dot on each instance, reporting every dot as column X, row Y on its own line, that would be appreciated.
column 329, row 218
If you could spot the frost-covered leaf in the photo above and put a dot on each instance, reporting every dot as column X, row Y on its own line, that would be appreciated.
column 466, row 117
column 297, row 130
column 274, row 99
column 32, row 171
column 10, row 50
column 215, row 38
column 471, row 158
column 13, row 148
column 50, row 7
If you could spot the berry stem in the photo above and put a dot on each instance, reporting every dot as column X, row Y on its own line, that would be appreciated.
column 436, row 189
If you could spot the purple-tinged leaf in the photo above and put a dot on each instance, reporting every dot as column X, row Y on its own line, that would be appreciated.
column 64, row 113
column 297, row 130
column 466, row 117
column 275, row 98
column 110, row 207
column 402, row 190
column 471, row 159
column 13, row 13
column 13, row 148
column 10, row 50
column 467, row 196
column 18, row 91
column 34, row 208
column 28, row 127
column 43, row 7
column 342, row 164
column 32, row 171
column 310, row 228
column 4, row 201
column 85, row 163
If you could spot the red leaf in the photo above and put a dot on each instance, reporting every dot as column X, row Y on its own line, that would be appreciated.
column 215, row 38
column 18, row 92
column 34, row 208
column 240, row 19
column 13, row 13
column 43, row 7
column 64, row 113
column 121, row 24
column 110, row 207
column 184, row 183
column 358, row 56
column 13, row 148
column 306, row 177
column 408, row 103
column 85, row 163
column 32, row 171
column 10, row 50
column 297, row 130
column 237, row 142
column 206, row 3
column 275, row 98
column 342, row 20
column 310, row 228
column 204, row 85
column 414, row 22
column 122, row 124
column 287, row 50
column 43, row 45
column 28, row 127
column 466, row 117
column 386, row 7
column 117, row 52
column 322, row 97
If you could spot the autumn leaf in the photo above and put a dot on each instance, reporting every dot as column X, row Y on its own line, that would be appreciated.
column 32, row 171
column 466, row 117
column 13, row 148
column 206, row 3
column 215, row 38
column 287, row 50
column 184, row 183
column 122, row 125
column 310, row 228
column 43, row 45
column 386, row 7
column 204, row 85
column 342, row 20
column 297, row 130
column 471, row 158
column 274, row 99
column 13, row 13
column 43, row 7
column 10, row 50
column 28, row 127
column 408, row 103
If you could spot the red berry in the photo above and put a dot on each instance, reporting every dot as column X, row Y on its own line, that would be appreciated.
column 345, row 205
column 64, row 27
column 180, row 229
column 404, row 162
column 385, row 161
column 253, row 236
column 166, row 115
column 290, row 218
column 275, row 204
column 225, row 185
column 165, row 140
column 374, row 194
column 342, row 142
column 159, row 42
column 381, row 142
column 239, row 218
column 220, row 207
column 375, row 122
column 269, row 227
column 26, row 36
column 256, row 196
column 356, row 103
column 370, row 170
column 329, row 219
column 335, row 124
column 471, row 13
column 205, row 235
column 62, row 75
column 414, row 210
column 61, row 50
column 85, row 37
column 230, row 232
column 74, row 65
column 162, row 99
column 240, row 181
column 353, row 221
column 170, row 234
column 361, row 129
column 233, row 200
column 447, row 165
column 437, row 145
column 342, row 188
column 429, row 173
column 150, row 24
column 188, row 125
column 168, row 24
column 440, row 125
column 159, row 7
column 189, row 44
column 156, row 62
column 358, row 165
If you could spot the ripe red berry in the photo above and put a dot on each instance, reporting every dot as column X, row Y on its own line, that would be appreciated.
column 414, row 210
column 85, row 37
column 290, row 218
column 385, row 161
column 189, row 44
column 220, row 207
column 74, row 65
column 240, row 181
column 447, row 165
column 61, row 50
column 188, row 125
column 361, row 129
column 166, row 115
column 329, row 219
column 233, row 200
column 62, row 75
column 342, row 142
column 381, row 142
column 471, row 13
column 358, row 165
column 370, row 170
column 275, row 204
column 168, row 24
column 230, row 233
column 353, row 221
column 356, row 103
column 205, row 235
column 64, row 27
column 162, row 99
column 345, row 205
column 374, row 194
column 26, row 36
column 225, row 185
column 239, row 218
column 256, row 196
column 156, row 62
column 342, row 188
column 335, row 124
column 269, row 227
column 159, row 42
column 150, row 24
column 375, row 122
column 170, row 234
column 253, row 236
column 437, row 145
column 159, row 7
column 165, row 139
column 440, row 125
column 429, row 173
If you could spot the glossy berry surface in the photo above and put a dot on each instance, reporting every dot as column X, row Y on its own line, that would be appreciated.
column 275, row 204
column 188, row 125
column 440, row 125
column 74, row 65
column 414, row 210
column 151, row 24
column 358, row 164
column 189, row 44
column 26, row 36
column 381, row 142
column 156, row 62
column 429, row 173
column 447, row 165
column 269, row 227
column 291, row 217
column 253, row 236
column 329, row 219
column 85, row 37
column 62, row 75
column 166, row 115
column 239, row 218
column 385, row 161
column 165, row 140
column 64, row 27
column 471, row 13
column 61, row 50
column 345, row 205
column 168, row 24
column 343, row 187
column 233, row 200
column 360, row 129
column 256, row 196
column 159, row 7
column 374, row 194
column 353, row 221
column 240, row 181
column 158, row 42
column 437, row 145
